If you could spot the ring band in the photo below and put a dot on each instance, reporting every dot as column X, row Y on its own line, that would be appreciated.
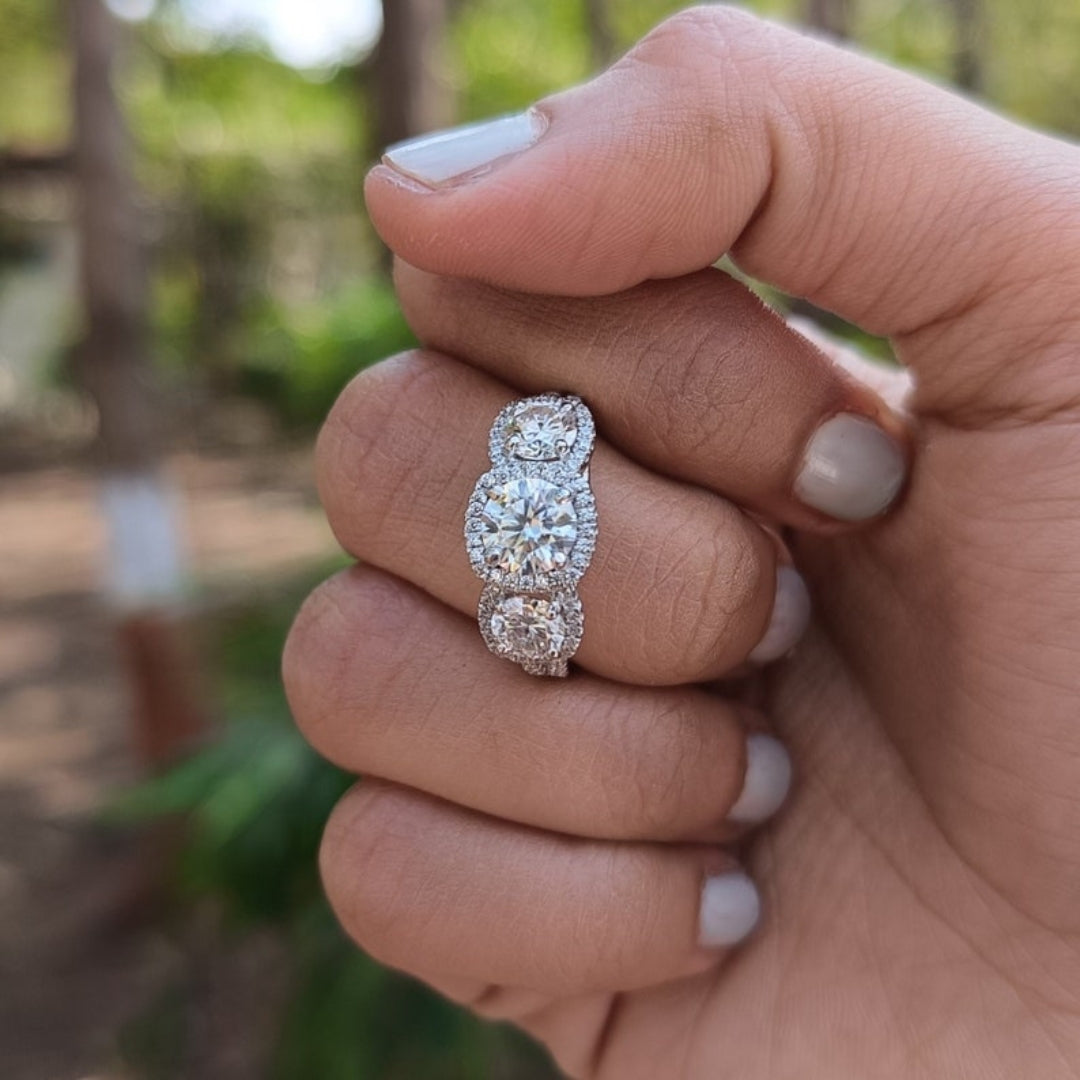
column 530, row 531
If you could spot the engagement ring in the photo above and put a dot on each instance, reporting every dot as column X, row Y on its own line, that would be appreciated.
column 530, row 530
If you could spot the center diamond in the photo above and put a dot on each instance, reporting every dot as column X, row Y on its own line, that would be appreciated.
column 528, row 526
column 529, row 626
column 541, row 432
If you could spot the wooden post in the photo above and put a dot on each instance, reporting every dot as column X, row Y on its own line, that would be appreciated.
column 112, row 361
column 830, row 17
column 412, row 94
column 602, row 43
column 967, row 55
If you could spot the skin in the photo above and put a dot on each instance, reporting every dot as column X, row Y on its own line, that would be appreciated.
column 536, row 849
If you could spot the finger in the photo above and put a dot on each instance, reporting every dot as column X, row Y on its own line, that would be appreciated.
column 894, row 385
column 682, row 584
column 387, row 682
column 428, row 887
column 694, row 377
column 898, row 205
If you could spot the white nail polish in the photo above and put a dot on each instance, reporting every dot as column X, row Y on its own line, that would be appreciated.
column 767, row 782
column 461, row 153
column 851, row 469
column 790, row 617
column 730, row 909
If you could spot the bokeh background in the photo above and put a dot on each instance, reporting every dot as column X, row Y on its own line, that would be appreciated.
column 187, row 279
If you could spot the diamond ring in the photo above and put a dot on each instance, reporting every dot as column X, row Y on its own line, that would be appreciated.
column 530, row 531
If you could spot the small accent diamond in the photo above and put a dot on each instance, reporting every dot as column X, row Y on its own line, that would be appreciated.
column 541, row 432
column 529, row 627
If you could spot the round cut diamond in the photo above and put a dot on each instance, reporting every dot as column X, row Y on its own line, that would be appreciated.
column 529, row 627
column 528, row 526
column 541, row 432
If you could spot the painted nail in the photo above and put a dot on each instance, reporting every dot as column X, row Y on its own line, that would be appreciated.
column 851, row 469
column 730, row 909
column 790, row 617
column 462, row 153
column 768, row 779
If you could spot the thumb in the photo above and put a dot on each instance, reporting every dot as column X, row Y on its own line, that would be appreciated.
column 874, row 194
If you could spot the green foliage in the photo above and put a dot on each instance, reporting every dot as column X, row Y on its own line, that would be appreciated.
column 33, row 72
column 511, row 52
column 188, row 102
column 301, row 357
column 349, row 1018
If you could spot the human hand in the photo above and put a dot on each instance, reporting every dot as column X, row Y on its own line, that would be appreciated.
column 537, row 849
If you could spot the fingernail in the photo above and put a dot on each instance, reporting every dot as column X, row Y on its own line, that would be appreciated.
column 730, row 909
column 851, row 469
column 768, row 779
column 790, row 617
column 446, row 157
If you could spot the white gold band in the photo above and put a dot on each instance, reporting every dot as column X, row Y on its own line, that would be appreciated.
column 530, row 531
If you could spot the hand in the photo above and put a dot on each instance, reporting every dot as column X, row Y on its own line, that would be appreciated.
column 563, row 853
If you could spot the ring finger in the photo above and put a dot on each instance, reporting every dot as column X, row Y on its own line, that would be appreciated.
column 420, row 705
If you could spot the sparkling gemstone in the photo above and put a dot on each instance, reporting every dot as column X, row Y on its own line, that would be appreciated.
column 529, row 627
column 541, row 432
column 528, row 526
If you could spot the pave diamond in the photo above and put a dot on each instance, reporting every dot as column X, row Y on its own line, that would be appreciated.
column 541, row 432
column 528, row 526
column 529, row 627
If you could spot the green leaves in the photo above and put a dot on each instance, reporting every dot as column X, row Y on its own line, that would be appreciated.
column 301, row 357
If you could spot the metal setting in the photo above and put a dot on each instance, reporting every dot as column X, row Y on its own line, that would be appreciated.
column 530, row 531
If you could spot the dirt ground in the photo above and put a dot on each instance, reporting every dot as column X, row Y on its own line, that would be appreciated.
column 78, row 961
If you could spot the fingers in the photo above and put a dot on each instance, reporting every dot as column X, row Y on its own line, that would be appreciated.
column 875, row 195
column 682, row 584
column 437, row 890
column 694, row 377
column 387, row 682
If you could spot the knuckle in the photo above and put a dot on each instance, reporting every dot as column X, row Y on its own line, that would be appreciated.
column 368, row 865
column 697, row 33
column 312, row 661
column 664, row 784
column 326, row 676
column 371, row 415
column 738, row 580
column 609, row 951
column 713, row 580
column 696, row 384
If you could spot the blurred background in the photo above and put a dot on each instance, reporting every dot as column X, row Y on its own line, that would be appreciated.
column 187, row 279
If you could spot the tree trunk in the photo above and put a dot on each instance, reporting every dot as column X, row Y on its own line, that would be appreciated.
column 967, row 59
column 412, row 93
column 830, row 17
column 602, row 43
column 112, row 361
column 112, row 355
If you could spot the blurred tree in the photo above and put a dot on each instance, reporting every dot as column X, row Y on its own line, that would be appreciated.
column 412, row 92
column 33, row 67
column 967, row 58
column 112, row 357
column 832, row 17
column 515, row 53
column 602, row 41
column 113, row 362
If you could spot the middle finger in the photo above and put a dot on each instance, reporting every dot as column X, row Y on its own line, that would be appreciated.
column 682, row 584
